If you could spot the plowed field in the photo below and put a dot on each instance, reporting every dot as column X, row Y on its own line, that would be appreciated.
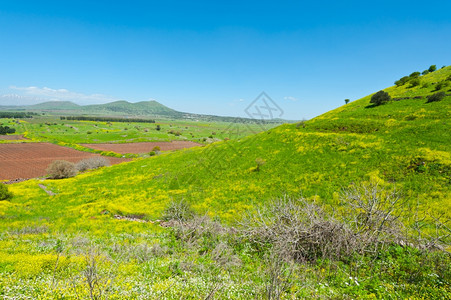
column 30, row 160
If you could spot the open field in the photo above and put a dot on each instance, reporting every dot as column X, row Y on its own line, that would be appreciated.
column 48, row 128
column 143, row 147
column 30, row 160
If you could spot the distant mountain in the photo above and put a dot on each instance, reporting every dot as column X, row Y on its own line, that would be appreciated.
column 145, row 109
column 54, row 105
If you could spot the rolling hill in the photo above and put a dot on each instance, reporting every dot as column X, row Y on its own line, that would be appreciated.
column 403, row 146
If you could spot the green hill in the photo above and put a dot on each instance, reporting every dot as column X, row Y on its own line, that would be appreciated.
column 403, row 145
column 144, row 108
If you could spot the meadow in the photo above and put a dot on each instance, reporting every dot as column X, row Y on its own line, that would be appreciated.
column 48, row 128
column 352, row 204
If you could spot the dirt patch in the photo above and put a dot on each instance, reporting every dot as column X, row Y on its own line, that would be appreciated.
column 12, row 137
column 143, row 147
column 30, row 160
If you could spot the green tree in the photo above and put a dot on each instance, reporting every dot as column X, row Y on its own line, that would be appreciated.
column 415, row 75
column 432, row 68
column 346, row 101
column 380, row 98
column 402, row 81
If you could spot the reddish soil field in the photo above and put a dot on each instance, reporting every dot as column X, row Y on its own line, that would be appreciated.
column 30, row 160
column 142, row 147
column 12, row 137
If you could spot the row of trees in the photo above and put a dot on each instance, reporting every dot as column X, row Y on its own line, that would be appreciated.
column 413, row 78
column 17, row 115
column 107, row 119
column 5, row 130
column 383, row 97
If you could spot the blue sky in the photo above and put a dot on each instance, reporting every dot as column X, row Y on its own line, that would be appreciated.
column 215, row 58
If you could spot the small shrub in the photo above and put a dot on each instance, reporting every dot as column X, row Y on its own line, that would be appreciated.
column 156, row 148
column 436, row 97
column 380, row 98
column 415, row 82
column 5, row 130
column 4, row 192
column 260, row 162
column 441, row 85
column 92, row 163
column 179, row 211
column 432, row 68
column 152, row 153
column 61, row 169
column 425, row 72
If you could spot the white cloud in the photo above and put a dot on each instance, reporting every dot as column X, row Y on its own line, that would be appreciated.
column 49, row 94
column 291, row 98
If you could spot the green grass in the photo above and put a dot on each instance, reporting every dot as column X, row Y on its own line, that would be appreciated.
column 403, row 145
column 78, row 132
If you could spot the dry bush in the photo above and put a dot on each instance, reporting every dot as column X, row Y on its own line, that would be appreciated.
column 303, row 231
column 179, row 211
column 437, row 239
column 299, row 230
column 374, row 214
column 191, row 231
column 92, row 163
column 59, row 169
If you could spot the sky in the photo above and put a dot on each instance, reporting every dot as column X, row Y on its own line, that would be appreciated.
column 216, row 57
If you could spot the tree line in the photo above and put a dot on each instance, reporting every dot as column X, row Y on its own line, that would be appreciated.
column 106, row 119
column 13, row 114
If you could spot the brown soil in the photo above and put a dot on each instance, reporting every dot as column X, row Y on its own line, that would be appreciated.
column 12, row 137
column 30, row 160
column 142, row 147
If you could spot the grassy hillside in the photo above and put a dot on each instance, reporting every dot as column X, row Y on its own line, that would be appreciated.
column 402, row 146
